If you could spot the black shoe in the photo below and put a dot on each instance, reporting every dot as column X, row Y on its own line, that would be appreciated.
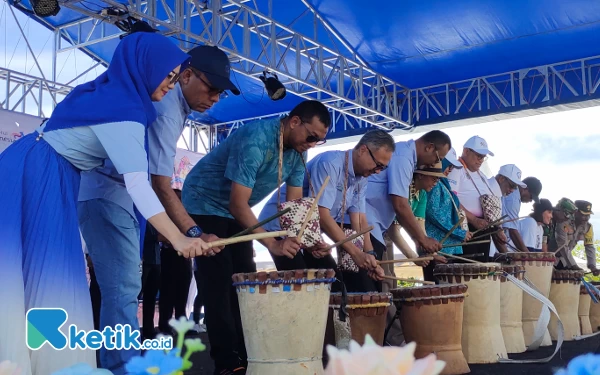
column 236, row 371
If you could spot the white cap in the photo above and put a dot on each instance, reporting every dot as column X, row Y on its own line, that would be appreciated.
column 479, row 145
column 453, row 159
column 513, row 173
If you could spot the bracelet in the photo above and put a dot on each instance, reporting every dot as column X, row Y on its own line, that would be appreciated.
column 372, row 252
column 194, row 231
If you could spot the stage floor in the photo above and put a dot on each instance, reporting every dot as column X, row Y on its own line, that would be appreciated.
column 203, row 364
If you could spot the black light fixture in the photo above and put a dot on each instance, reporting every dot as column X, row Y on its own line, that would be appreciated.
column 274, row 87
column 45, row 8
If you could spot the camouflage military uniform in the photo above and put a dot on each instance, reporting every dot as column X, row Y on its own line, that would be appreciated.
column 566, row 236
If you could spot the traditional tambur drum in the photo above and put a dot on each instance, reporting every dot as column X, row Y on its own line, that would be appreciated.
column 584, row 311
column 511, row 310
column 595, row 312
column 482, row 340
column 432, row 317
column 538, row 270
column 564, row 294
column 284, row 315
column 366, row 315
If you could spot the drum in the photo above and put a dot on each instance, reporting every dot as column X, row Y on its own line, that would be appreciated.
column 538, row 270
column 595, row 312
column 584, row 311
column 367, row 314
column 432, row 317
column 284, row 315
column 482, row 340
column 511, row 310
column 564, row 294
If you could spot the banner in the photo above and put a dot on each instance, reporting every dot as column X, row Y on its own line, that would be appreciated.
column 14, row 125
column 184, row 162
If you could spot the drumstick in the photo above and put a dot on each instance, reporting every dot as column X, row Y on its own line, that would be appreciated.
column 485, row 235
column 465, row 243
column 355, row 235
column 408, row 280
column 260, row 224
column 249, row 237
column 559, row 249
column 403, row 260
column 312, row 208
column 459, row 222
column 461, row 258
column 493, row 223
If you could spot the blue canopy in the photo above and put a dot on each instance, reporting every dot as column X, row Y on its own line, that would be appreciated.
column 531, row 54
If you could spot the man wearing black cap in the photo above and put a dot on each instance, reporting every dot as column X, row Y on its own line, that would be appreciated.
column 511, row 206
column 107, row 217
column 567, row 240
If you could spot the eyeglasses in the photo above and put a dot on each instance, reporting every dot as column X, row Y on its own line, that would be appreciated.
column 211, row 90
column 511, row 185
column 478, row 155
column 311, row 138
column 378, row 165
column 173, row 77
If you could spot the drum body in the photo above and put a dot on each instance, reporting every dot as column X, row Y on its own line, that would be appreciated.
column 482, row 340
column 584, row 311
column 595, row 313
column 511, row 310
column 366, row 314
column 284, row 315
column 564, row 294
column 432, row 317
column 538, row 270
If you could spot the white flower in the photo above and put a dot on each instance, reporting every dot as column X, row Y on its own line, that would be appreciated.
column 82, row 369
column 9, row 368
column 372, row 359
column 182, row 325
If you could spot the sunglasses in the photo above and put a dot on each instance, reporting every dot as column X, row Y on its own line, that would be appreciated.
column 311, row 138
column 211, row 89
column 378, row 165
column 478, row 155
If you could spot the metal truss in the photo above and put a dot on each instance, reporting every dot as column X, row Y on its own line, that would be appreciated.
column 27, row 94
column 560, row 83
column 330, row 72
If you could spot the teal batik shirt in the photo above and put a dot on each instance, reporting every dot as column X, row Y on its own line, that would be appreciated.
column 249, row 157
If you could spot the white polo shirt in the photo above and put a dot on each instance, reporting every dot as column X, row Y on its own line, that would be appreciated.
column 463, row 184
column 531, row 232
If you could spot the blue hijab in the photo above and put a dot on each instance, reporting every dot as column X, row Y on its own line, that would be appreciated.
column 123, row 92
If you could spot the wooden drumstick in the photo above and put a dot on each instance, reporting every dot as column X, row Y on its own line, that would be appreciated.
column 312, row 208
column 392, row 261
column 408, row 280
column 249, row 237
column 493, row 223
column 260, row 224
column 459, row 222
column 460, row 258
column 465, row 243
column 355, row 235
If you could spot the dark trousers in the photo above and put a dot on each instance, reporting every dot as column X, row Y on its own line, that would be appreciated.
column 96, row 298
column 176, row 276
column 305, row 260
column 199, row 300
column 222, row 312
column 483, row 248
column 150, row 286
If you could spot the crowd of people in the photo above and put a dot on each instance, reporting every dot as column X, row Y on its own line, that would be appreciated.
column 103, row 162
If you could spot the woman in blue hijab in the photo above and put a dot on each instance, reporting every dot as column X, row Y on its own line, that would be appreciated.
column 41, row 257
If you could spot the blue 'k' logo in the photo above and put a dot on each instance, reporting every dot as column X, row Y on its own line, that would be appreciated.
column 43, row 326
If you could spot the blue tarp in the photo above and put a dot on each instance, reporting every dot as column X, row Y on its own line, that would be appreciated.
column 422, row 43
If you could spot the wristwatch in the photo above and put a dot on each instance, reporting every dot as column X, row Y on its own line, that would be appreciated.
column 194, row 231
column 372, row 252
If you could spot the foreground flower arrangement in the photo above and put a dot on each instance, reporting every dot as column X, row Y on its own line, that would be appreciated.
column 372, row 359
column 587, row 364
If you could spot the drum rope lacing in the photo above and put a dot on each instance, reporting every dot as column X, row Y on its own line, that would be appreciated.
column 445, row 296
column 377, row 304
column 282, row 281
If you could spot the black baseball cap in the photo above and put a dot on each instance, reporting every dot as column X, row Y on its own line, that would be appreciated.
column 215, row 65
column 534, row 186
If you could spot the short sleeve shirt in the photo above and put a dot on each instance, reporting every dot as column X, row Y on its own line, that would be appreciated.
column 531, row 232
column 332, row 164
column 249, row 157
column 395, row 180
column 511, row 206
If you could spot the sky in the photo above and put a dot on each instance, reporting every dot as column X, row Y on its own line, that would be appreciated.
column 561, row 149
